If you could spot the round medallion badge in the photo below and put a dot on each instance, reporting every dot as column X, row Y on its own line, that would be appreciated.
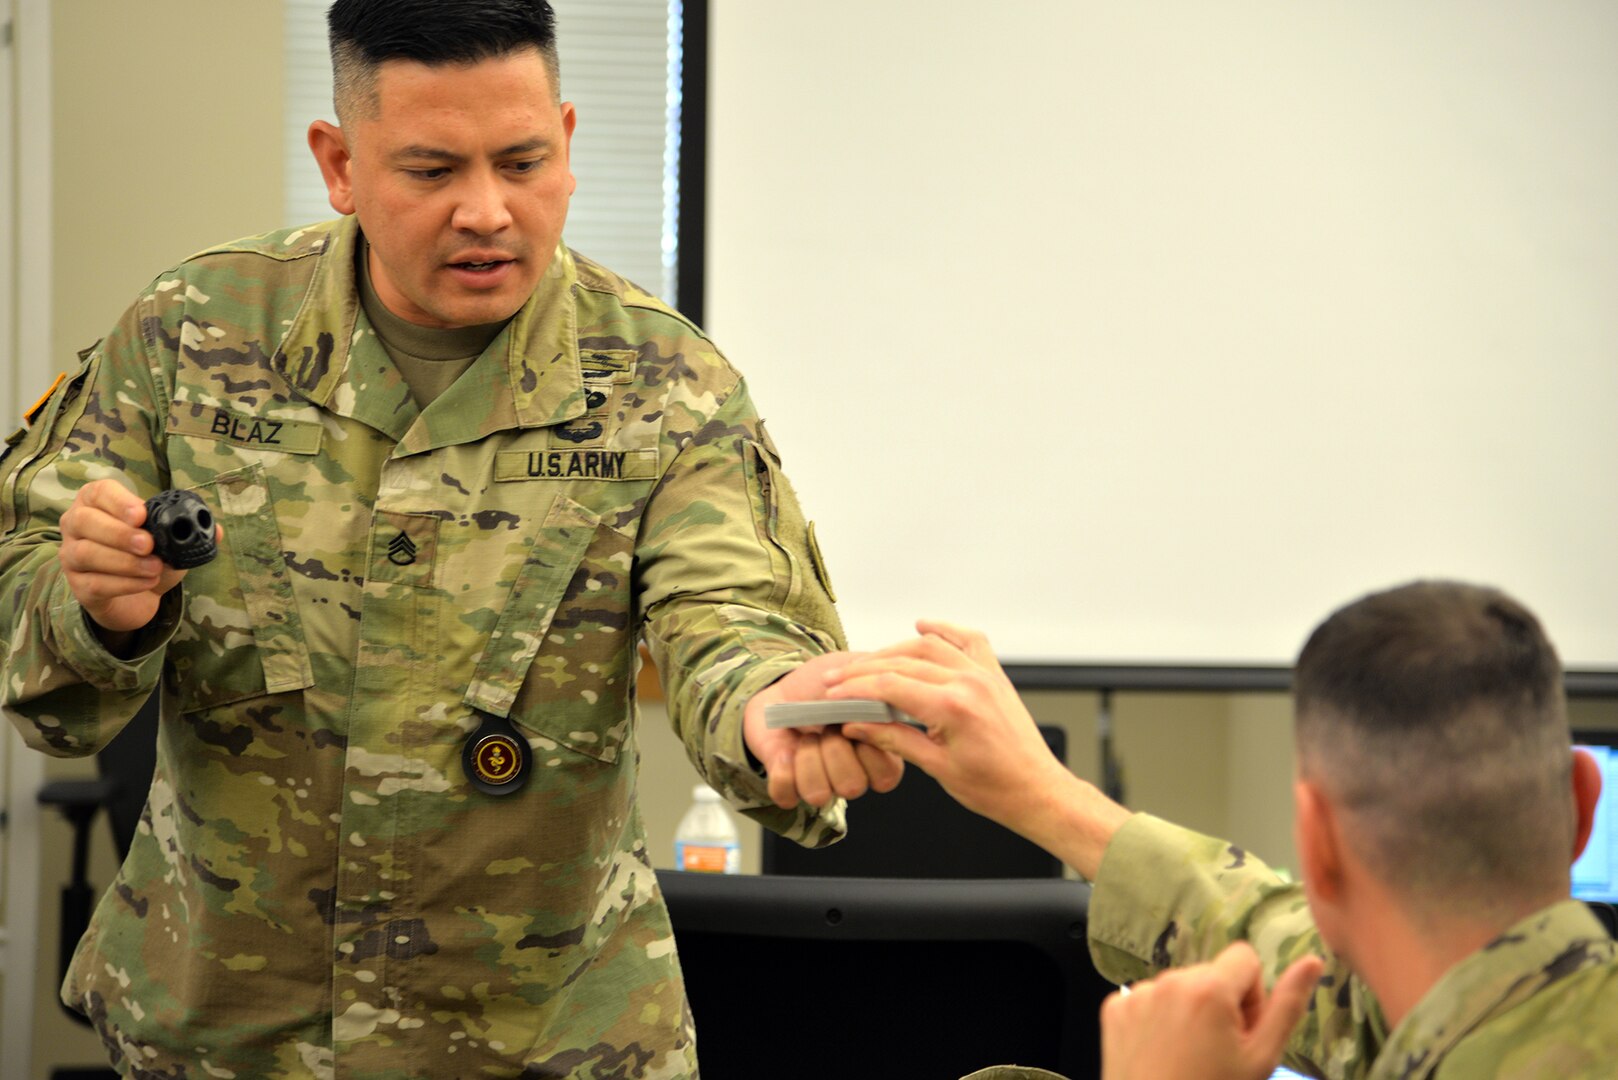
column 496, row 758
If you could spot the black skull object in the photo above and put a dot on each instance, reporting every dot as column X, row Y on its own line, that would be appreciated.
column 182, row 528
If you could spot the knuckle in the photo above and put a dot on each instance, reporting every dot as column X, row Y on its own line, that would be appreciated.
column 881, row 739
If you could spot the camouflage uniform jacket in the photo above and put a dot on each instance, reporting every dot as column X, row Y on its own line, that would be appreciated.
column 315, row 890
column 1540, row 1002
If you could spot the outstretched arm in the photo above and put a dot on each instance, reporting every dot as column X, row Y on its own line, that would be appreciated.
column 981, row 744
column 739, row 614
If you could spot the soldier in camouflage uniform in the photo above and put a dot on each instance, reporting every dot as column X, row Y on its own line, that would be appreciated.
column 430, row 570
column 1440, row 807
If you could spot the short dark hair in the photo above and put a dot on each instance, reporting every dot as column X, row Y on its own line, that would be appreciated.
column 1434, row 715
column 365, row 33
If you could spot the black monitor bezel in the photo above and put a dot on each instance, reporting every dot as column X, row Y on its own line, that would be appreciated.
column 1049, row 915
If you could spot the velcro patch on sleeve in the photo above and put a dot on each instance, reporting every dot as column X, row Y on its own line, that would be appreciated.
column 819, row 561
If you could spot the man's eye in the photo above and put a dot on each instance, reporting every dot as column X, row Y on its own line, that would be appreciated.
column 520, row 167
column 428, row 174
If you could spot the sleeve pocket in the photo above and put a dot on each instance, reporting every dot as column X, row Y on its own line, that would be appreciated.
column 780, row 524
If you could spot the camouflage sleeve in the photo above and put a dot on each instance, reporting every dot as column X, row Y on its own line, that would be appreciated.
column 65, row 693
column 732, row 602
column 1165, row 897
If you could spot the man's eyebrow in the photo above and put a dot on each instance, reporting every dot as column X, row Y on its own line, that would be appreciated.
column 527, row 146
column 426, row 153
column 417, row 152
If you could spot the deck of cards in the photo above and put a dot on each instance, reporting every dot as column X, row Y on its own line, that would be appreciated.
column 794, row 714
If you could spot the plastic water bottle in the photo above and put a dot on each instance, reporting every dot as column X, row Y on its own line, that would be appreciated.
column 706, row 840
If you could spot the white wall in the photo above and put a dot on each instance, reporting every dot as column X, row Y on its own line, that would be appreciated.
column 1154, row 331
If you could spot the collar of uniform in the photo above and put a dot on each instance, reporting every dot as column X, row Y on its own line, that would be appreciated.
column 547, row 383
column 313, row 355
column 528, row 377
column 542, row 383
column 1548, row 945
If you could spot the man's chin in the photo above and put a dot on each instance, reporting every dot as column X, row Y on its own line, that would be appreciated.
column 479, row 310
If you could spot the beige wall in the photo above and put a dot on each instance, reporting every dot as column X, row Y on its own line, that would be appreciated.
column 166, row 123
column 167, row 126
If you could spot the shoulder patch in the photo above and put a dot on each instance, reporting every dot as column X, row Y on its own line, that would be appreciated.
column 39, row 406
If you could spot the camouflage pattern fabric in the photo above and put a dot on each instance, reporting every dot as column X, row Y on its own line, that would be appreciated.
column 315, row 890
column 1540, row 1002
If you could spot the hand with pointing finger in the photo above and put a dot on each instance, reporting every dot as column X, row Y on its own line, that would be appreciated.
column 1209, row 1021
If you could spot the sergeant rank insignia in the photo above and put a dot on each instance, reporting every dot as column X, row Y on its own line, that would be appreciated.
column 496, row 758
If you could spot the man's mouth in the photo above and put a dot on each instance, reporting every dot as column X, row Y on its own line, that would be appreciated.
column 480, row 266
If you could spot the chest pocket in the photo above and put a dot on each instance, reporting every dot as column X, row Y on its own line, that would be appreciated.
column 559, row 661
column 241, row 637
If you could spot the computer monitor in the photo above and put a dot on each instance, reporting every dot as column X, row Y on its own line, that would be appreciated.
column 808, row 977
column 1595, row 874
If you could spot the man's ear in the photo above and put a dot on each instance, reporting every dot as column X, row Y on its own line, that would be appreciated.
column 570, row 120
column 330, row 148
column 1320, row 855
column 1586, row 792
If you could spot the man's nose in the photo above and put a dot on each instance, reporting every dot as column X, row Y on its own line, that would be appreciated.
column 481, row 208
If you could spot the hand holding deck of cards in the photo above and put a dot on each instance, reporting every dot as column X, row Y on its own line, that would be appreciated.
column 795, row 714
